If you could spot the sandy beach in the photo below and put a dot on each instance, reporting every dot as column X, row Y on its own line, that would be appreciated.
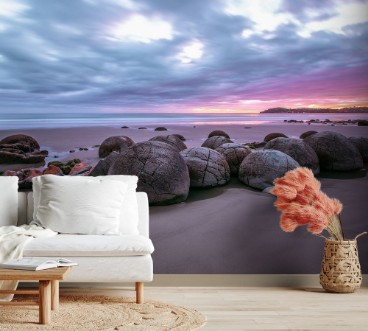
column 231, row 229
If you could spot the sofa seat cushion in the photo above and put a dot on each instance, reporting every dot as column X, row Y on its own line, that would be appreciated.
column 64, row 245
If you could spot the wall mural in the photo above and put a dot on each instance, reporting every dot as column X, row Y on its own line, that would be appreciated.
column 208, row 102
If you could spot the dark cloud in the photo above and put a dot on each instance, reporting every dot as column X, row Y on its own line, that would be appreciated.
column 59, row 53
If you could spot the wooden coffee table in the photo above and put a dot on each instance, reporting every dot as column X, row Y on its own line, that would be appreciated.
column 48, row 289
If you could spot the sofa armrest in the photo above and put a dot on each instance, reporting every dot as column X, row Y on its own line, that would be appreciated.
column 143, row 212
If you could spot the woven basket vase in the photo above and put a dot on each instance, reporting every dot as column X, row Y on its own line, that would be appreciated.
column 340, row 270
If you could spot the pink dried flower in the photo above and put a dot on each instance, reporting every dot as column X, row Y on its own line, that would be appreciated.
column 302, row 203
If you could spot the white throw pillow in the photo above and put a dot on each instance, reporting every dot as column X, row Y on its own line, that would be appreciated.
column 8, row 200
column 75, row 204
column 129, row 217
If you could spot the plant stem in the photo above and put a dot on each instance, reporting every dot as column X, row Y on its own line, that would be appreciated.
column 342, row 230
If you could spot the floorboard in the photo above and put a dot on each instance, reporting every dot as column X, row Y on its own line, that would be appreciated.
column 260, row 308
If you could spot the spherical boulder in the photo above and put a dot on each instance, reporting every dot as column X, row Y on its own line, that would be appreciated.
column 21, row 139
column 218, row 133
column 298, row 150
column 207, row 168
column 362, row 144
column 273, row 135
column 180, row 136
column 114, row 143
column 160, row 128
column 162, row 172
column 260, row 168
column 335, row 151
column 216, row 141
column 172, row 140
column 307, row 134
column 234, row 155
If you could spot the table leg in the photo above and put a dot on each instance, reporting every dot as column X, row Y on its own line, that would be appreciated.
column 45, row 302
column 54, row 295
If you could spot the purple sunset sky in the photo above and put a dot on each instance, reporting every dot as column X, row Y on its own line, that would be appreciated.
column 182, row 56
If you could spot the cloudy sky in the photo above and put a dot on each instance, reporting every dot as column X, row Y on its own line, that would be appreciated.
column 182, row 55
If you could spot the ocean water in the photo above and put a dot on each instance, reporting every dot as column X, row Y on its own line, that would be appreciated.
column 65, row 120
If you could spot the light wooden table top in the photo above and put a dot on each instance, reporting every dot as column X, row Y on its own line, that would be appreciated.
column 48, row 274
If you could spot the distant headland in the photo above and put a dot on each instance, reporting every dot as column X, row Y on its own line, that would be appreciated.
column 317, row 110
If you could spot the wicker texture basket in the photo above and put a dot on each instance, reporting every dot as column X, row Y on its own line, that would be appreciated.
column 340, row 272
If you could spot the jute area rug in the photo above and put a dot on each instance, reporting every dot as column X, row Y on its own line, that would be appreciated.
column 90, row 313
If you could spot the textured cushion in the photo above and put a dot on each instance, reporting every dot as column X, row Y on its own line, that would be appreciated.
column 92, row 245
column 71, row 205
column 8, row 200
column 129, row 217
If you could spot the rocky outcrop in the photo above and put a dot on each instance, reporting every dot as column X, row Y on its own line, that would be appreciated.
column 22, row 149
column 216, row 141
column 81, row 169
column 298, row 150
column 234, row 155
column 114, row 143
column 273, row 135
column 218, row 133
column 23, row 140
column 335, row 151
column 52, row 170
column 260, row 168
column 65, row 167
column 361, row 144
column 172, row 140
column 161, row 170
column 207, row 168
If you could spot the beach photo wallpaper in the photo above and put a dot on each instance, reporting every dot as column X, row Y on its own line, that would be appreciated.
column 208, row 102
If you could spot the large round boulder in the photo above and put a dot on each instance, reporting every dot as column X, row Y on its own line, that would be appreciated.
column 335, row 151
column 180, row 136
column 162, row 172
column 216, row 141
column 207, row 168
column 21, row 139
column 114, row 143
column 362, row 144
column 218, row 133
column 273, row 135
column 234, row 154
column 260, row 168
column 298, row 150
column 172, row 139
column 307, row 134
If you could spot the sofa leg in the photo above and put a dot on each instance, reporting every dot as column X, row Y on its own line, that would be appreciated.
column 139, row 292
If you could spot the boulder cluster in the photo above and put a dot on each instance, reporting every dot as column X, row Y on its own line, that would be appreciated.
column 73, row 168
column 167, row 169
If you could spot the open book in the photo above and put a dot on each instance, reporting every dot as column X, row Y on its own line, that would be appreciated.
column 37, row 263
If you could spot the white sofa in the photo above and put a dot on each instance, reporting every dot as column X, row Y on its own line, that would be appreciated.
column 101, row 258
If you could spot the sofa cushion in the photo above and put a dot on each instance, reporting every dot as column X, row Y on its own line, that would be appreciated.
column 129, row 217
column 8, row 200
column 64, row 245
column 71, row 205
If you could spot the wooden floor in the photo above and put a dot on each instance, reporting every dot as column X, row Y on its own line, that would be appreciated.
column 261, row 308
